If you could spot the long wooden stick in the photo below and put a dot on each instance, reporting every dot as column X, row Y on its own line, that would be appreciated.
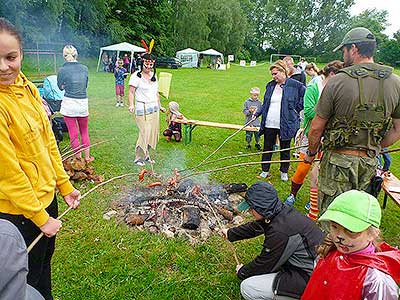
column 35, row 241
column 83, row 148
column 227, row 139
column 221, row 227
column 243, row 164
column 239, row 155
column 390, row 150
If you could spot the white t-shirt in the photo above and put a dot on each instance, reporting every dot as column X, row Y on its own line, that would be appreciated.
column 274, row 112
column 146, row 94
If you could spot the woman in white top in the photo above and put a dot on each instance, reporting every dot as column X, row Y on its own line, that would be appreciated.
column 144, row 101
column 283, row 100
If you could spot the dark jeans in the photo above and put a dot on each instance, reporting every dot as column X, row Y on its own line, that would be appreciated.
column 39, row 259
column 270, row 135
column 249, row 135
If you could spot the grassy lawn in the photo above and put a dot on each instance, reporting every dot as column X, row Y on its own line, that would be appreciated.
column 98, row 259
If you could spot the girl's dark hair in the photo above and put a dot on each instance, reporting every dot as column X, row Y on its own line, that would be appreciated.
column 7, row 26
column 148, row 57
column 333, row 66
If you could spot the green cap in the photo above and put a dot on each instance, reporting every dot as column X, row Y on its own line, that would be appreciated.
column 242, row 206
column 354, row 210
column 356, row 35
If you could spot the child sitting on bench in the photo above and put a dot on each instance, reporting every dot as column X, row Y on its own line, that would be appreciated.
column 174, row 129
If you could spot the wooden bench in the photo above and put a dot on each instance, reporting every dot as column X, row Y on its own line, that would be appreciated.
column 190, row 125
column 391, row 187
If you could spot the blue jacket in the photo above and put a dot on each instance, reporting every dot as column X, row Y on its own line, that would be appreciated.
column 291, row 105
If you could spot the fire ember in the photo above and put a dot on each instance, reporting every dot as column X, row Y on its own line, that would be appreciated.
column 191, row 211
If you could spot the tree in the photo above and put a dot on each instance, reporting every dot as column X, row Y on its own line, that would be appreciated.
column 389, row 52
column 228, row 25
column 330, row 23
column 305, row 27
column 190, row 24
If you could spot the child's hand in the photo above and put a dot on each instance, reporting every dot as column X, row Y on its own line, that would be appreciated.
column 238, row 268
column 223, row 232
column 131, row 108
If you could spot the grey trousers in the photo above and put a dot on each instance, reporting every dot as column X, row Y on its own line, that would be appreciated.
column 260, row 288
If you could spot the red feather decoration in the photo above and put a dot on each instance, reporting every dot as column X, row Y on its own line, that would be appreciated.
column 144, row 45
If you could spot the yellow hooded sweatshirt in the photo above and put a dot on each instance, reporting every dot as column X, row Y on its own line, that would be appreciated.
column 30, row 163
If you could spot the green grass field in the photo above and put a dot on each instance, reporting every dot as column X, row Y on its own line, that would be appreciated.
column 98, row 259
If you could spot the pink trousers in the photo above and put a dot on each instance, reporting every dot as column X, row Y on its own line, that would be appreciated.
column 75, row 126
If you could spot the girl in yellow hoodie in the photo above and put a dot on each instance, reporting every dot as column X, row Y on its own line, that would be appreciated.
column 30, row 164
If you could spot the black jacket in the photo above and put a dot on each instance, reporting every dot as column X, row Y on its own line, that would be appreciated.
column 289, row 248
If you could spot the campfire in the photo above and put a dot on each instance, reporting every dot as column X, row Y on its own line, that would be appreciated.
column 189, row 210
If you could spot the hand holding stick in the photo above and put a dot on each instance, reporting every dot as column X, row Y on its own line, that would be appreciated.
column 71, row 207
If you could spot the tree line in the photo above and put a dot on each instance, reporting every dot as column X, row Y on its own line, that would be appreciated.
column 249, row 29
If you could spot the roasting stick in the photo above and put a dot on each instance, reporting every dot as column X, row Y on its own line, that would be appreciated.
column 242, row 165
column 221, row 227
column 68, row 152
column 240, row 155
column 83, row 196
column 65, row 157
column 227, row 139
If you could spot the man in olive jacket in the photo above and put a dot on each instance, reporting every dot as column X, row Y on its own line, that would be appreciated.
column 284, row 266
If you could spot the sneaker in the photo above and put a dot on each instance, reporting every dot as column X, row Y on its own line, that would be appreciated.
column 307, row 206
column 117, row 104
column 284, row 176
column 290, row 200
column 275, row 147
column 248, row 146
column 149, row 160
column 258, row 147
column 121, row 104
column 264, row 174
column 139, row 162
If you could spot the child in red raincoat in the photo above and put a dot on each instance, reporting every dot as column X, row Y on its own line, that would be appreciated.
column 353, row 265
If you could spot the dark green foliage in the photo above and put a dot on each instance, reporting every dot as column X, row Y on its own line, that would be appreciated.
column 249, row 29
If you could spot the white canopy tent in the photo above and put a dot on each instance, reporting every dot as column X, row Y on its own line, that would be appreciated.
column 189, row 57
column 121, row 47
column 212, row 52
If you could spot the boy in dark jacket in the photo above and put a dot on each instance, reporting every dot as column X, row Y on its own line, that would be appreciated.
column 282, row 269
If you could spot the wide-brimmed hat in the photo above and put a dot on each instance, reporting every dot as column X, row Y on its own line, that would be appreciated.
column 354, row 210
column 356, row 35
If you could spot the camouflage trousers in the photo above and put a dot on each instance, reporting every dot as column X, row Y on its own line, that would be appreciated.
column 343, row 172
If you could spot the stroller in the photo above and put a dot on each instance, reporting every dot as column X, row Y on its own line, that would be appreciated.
column 52, row 97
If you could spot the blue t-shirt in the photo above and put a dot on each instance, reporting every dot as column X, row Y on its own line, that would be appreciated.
column 119, row 75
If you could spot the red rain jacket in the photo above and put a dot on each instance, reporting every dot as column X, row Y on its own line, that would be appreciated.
column 341, row 277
